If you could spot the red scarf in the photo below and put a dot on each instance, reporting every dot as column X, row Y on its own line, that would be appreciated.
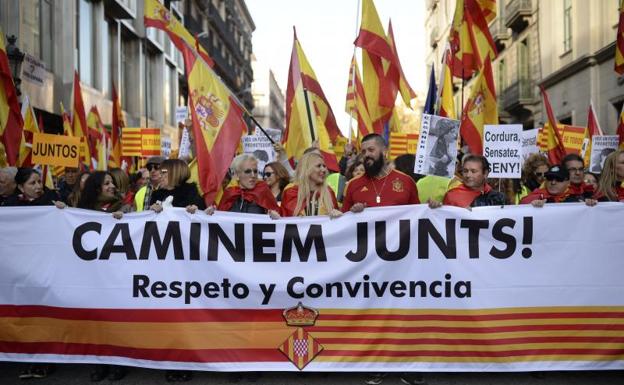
column 542, row 193
column 462, row 196
column 261, row 195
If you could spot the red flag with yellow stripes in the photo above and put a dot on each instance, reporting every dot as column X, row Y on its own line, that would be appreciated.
column 79, row 123
column 620, row 128
column 30, row 128
column 356, row 100
column 470, row 38
column 481, row 108
column 446, row 99
column 11, row 122
column 619, row 42
column 550, row 134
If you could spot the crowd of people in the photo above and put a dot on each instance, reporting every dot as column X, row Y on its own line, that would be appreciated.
column 366, row 179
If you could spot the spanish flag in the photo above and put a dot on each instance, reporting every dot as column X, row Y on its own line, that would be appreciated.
column 470, row 38
column 481, row 108
column 488, row 7
column 30, row 128
column 356, row 100
column 619, row 43
column 114, row 159
column 157, row 16
column 446, row 101
column 99, row 139
column 79, row 122
column 552, row 139
column 620, row 128
column 218, row 123
column 10, row 117
column 396, row 71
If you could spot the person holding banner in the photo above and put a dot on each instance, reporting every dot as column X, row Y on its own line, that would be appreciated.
column 474, row 191
column 142, row 197
column 7, row 183
column 533, row 175
column 576, row 167
column 174, row 187
column 250, row 195
column 556, row 190
column 277, row 177
column 611, row 184
column 310, row 193
column 30, row 191
column 100, row 194
column 380, row 185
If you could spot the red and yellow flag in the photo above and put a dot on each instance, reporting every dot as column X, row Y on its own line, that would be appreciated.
column 218, row 123
column 446, row 99
column 619, row 43
column 551, row 137
column 481, row 108
column 79, row 122
column 157, row 16
column 30, row 128
column 470, row 38
column 356, row 101
column 114, row 159
column 620, row 128
column 395, row 71
column 98, row 137
column 11, row 122
column 488, row 7
column 307, row 108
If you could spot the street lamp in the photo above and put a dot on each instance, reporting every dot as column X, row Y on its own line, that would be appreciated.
column 16, row 57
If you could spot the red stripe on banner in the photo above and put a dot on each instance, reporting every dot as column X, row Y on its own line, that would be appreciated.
column 176, row 355
column 150, row 131
column 461, row 317
column 145, row 315
column 442, row 329
column 468, row 341
column 468, row 353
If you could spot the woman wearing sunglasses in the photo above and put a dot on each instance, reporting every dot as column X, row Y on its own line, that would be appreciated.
column 174, row 187
column 246, row 193
column 556, row 190
column 533, row 175
column 277, row 177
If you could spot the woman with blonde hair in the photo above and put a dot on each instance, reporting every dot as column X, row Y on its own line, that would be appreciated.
column 309, row 194
column 175, row 188
column 611, row 184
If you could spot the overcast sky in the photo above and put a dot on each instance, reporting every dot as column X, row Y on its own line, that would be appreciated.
column 326, row 30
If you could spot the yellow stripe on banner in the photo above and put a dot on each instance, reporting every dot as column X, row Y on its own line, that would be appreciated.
column 497, row 360
column 474, row 323
column 157, row 335
column 464, row 312
column 468, row 348
column 478, row 336
column 291, row 340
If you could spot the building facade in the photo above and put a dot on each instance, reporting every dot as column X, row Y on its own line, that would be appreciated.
column 268, row 98
column 107, row 43
column 566, row 45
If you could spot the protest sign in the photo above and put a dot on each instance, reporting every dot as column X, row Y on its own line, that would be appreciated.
column 181, row 114
column 437, row 146
column 601, row 147
column 529, row 143
column 502, row 147
column 55, row 150
column 404, row 288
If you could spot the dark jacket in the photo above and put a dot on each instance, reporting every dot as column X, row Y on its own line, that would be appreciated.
column 183, row 195
column 47, row 199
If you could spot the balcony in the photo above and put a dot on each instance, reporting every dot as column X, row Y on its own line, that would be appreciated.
column 518, row 14
column 500, row 34
column 518, row 96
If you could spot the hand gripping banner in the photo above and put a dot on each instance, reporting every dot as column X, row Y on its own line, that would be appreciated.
column 390, row 289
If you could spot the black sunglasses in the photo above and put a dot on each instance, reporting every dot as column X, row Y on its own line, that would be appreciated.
column 268, row 174
column 540, row 174
column 152, row 166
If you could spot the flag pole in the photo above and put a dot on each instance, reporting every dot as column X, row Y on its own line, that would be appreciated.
column 357, row 22
column 310, row 121
column 261, row 129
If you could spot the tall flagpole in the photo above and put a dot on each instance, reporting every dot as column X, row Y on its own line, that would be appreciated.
column 309, row 111
column 357, row 29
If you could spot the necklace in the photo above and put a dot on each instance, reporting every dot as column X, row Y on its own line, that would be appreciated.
column 378, row 193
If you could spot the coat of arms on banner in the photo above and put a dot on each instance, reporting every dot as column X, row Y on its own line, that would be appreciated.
column 300, row 347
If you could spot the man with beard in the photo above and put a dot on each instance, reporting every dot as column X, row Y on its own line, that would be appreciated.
column 380, row 185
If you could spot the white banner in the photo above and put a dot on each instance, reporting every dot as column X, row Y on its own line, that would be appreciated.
column 436, row 153
column 396, row 289
column 502, row 146
column 601, row 147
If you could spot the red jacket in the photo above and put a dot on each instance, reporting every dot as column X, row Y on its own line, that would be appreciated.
column 261, row 195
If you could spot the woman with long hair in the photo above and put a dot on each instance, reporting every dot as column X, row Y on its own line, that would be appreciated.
column 611, row 184
column 309, row 194
column 276, row 176
column 532, row 177
column 175, row 188
column 74, row 196
column 122, row 181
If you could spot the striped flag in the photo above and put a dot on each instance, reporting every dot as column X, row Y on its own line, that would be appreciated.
column 446, row 101
column 131, row 141
column 356, row 100
column 11, row 122
column 551, row 136
column 620, row 128
column 481, row 109
column 300, row 348
column 402, row 143
column 79, row 123
column 619, row 42
column 30, row 128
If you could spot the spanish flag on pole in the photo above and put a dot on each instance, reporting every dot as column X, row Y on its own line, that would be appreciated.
column 446, row 101
column 79, row 123
column 470, row 38
column 30, row 128
column 619, row 42
column 396, row 71
column 218, row 123
column 99, row 139
column 480, row 109
column 549, row 134
column 10, row 117
column 114, row 159
column 356, row 100
column 157, row 16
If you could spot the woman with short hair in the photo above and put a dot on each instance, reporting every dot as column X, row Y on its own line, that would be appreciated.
column 175, row 188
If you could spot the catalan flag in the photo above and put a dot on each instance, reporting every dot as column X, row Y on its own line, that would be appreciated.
column 470, row 39
column 98, row 138
column 481, row 109
column 30, row 128
column 131, row 141
column 11, row 122
column 552, row 138
column 79, row 122
column 619, row 42
column 114, row 159
column 395, row 72
column 356, row 100
column 488, row 8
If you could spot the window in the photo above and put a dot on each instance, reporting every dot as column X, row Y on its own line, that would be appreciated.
column 567, row 25
column 30, row 27
column 502, row 76
column 86, row 51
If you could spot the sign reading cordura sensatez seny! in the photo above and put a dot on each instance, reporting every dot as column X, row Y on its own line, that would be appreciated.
column 502, row 146
column 392, row 289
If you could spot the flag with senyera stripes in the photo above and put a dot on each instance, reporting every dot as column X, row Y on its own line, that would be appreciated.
column 11, row 121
